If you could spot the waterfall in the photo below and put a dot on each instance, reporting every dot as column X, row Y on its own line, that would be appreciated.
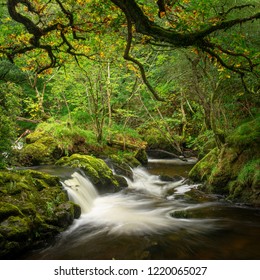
column 148, row 219
column 140, row 208
column 81, row 191
column 150, row 184
column 143, row 207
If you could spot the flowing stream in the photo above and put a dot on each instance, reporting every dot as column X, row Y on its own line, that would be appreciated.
column 155, row 218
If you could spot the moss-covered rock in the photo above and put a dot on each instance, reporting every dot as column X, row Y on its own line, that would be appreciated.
column 141, row 156
column 120, row 165
column 34, row 207
column 234, row 170
column 95, row 169
column 8, row 209
column 40, row 149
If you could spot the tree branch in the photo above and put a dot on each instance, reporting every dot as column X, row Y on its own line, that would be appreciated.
column 128, row 57
column 145, row 26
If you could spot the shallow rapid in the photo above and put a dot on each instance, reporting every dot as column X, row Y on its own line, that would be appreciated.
column 154, row 219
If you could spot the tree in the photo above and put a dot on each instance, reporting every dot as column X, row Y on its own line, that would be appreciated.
column 40, row 35
column 10, row 107
column 58, row 27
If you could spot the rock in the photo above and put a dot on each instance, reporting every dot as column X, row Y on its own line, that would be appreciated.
column 39, row 150
column 7, row 210
column 121, row 166
column 141, row 156
column 166, row 178
column 37, row 212
column 121, row 181
column 95, row 169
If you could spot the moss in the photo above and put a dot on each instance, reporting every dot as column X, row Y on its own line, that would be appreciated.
column 34, row 136
column 43, row 151
column 202, row 170
column 95, row 169
column 120, row 165
column 15, row 228
column 223, row 171
column 40, row 210
column 8, row 209
column 246, row 187
column 182, row 214
column 236, row 170
column 141, row 156
column 155, row 139
column 246, row 134
column 250, row 174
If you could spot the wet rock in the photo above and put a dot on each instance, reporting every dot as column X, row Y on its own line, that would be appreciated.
column 121, row 181
column 38, row 211
column 141, row 156
column 166, row 178
column 120, row 166
column 95, row 169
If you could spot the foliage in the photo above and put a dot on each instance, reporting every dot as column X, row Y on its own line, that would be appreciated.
column 77, row 83
column 65, row 133
column 246, row 134
column 250, row 174
column 234, row 169
column 9, row 110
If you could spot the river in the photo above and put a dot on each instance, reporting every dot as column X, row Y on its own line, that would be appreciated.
column 154, row 218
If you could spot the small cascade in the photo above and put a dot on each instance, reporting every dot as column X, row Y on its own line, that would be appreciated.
column 151, row 184
column 144, row 207
column 81, row 191
column 151, row 219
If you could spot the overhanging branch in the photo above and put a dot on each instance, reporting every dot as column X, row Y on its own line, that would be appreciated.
column 128, row 57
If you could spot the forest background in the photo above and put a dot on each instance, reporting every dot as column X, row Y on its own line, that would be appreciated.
column 174, row 75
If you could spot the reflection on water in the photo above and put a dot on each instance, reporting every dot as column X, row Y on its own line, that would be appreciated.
column 170, row 167
column 153, row 219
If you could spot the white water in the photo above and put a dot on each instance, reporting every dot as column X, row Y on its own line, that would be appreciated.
column 81, row 191
column 136, row 223
column 143, row 208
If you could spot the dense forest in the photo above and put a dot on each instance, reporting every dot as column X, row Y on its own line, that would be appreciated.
column 121, row 78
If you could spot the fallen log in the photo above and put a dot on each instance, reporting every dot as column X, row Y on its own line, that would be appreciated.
column 166, row 154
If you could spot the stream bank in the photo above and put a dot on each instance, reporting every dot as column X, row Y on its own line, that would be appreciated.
column 233, row 169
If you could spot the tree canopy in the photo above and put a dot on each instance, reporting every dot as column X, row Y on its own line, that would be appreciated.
column 53, row 28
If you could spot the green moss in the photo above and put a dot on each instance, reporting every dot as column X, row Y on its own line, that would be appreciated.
column 182, row 214
column 202, row 169
column 121, row 165
column 34, row 136
column 34, row 213
column 141, row 156
column 70, row 137
column 236, row 170
column 44, row 151
column 96, row 169
column 250, row 174
column 15, row 228
column 245, row 135
column 7, row 210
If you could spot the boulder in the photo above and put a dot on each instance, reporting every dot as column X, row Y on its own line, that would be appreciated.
column 95, row 169
column 40, row 149
column 33, row 209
